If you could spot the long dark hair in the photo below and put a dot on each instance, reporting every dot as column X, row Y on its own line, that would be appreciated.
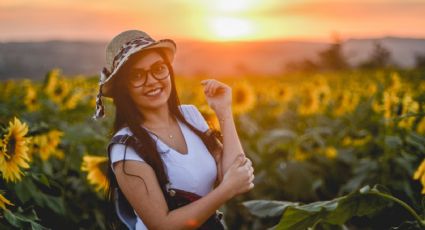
column 127, row 115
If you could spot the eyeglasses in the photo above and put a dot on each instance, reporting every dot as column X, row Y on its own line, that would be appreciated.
column 138, row 77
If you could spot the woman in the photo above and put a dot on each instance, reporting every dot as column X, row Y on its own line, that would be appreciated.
column 175, row 146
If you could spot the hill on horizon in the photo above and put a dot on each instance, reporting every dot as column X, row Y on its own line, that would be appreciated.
column 215, row 59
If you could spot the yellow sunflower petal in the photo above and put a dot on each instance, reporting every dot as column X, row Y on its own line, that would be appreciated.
column 14, row 151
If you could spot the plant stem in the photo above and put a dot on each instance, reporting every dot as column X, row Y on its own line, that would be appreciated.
column 403, row 204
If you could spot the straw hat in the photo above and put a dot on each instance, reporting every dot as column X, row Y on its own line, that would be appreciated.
column 118, row 51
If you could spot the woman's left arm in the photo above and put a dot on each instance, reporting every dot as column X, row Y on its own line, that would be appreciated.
column 219, row 98
column 231, row 143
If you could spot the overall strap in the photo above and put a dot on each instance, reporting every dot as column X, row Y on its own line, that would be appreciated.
column 124, row 139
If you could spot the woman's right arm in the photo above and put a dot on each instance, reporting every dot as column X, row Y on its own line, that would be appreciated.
column 152, row 208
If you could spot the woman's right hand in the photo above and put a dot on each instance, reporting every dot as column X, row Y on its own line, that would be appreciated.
column 238, row 178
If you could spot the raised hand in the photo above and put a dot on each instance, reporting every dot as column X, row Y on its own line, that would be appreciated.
column 218, row 95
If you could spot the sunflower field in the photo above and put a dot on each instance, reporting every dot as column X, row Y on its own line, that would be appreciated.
column 336, row 150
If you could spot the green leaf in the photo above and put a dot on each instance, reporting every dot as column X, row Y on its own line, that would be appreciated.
column 393, row 142
column 21, row 219
column 365, row 201
column 267, row 208
column 423, row 207
column 37, row 226
column 25, row 190
column 54, row 203
column 276, row 137
column 13, row 220
column 415, row 142
column 297, row 219
column 41, row 178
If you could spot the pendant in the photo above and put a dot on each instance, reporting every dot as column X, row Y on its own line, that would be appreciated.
column 170, row 136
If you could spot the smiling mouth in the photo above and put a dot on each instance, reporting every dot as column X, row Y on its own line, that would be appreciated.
column 154, row 92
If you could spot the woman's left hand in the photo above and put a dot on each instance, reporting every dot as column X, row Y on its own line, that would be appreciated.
column 218, row 95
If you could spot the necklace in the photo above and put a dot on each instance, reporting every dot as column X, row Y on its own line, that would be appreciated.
column 170, row 135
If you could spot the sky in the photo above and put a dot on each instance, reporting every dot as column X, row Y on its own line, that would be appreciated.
column 211, row 20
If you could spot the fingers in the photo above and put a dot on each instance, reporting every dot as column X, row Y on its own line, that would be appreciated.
column 248, row 162
column 238, row 160
column 251, row 170
column 208, row 88
column 211, row 86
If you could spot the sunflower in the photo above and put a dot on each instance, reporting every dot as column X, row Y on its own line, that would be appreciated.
column 196, row 95
column 395, row 83
column 61, row 91
column 14, row 151
column 371, row 89
column 46, row 145
column 265, row 94
column 72, row 100
column 348, row 141
column 56, row 87
column 30, row 99
column 243, row 97
column 344, row 102
column 7, row 88
column 322, row 89
column 421, row 126
column 420, row 175
column 301, row 155
column 96, row 167
column 309, row 103
column 282, row 93
column 4, row 202
column 389, row 100
column 408, row 105
column 51, row 81
column 209, row 116
column 330, row 152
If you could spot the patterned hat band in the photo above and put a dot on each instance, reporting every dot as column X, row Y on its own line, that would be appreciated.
column 138, row 42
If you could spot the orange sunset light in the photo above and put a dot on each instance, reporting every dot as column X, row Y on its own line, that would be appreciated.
column 230, row 20
column 231, row 28
column 218, row 20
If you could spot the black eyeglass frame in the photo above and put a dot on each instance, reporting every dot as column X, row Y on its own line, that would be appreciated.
column 145, row 74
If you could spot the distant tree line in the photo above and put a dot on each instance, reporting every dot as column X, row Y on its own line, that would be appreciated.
column 333, row 58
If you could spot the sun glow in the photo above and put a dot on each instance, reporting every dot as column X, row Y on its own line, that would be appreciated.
column 231, row 28
column 233, row 6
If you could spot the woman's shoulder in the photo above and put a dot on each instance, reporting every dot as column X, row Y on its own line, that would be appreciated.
column 123, row 131
column 121, row 151
column 194, row 116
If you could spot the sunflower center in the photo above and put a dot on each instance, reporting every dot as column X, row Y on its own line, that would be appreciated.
column 58, row 91
column 11, row 146
column 103, row 167
column 240, row 97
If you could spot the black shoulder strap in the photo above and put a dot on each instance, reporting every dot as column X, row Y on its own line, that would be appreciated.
column 122, row 207
column 124, row 139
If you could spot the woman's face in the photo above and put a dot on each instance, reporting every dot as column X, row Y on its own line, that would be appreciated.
column 147, row 96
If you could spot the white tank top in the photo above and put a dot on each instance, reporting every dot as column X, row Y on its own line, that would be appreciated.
column 195, row 172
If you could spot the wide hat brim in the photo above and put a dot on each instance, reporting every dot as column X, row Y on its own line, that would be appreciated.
column 107, row 79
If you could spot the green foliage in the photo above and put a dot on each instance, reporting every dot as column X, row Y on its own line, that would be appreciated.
column 329, row 138
column 336, row 212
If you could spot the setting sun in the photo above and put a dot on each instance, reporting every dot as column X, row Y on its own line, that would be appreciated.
column 231, row 28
